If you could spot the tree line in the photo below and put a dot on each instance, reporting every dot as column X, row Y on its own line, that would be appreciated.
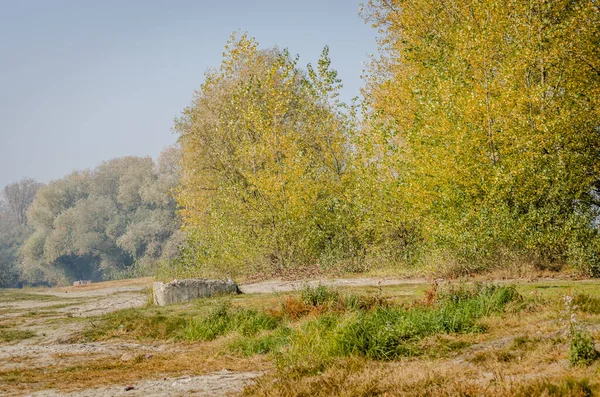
column 475, row 145
column 114, row 221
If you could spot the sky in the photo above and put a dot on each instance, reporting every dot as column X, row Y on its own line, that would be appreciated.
column 84, row 81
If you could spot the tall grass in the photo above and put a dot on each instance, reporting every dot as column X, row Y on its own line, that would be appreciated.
column 223, row 320
column 387, row 333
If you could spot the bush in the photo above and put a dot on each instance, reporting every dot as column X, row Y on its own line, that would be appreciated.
column 582, row 351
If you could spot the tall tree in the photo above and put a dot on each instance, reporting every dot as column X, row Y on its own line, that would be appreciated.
column 493, row 114
column 103, row 223
column 15, row 199
column 264, row 156
column 19, row 196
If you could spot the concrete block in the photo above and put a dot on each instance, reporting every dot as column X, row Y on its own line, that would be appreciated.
column 178, row 291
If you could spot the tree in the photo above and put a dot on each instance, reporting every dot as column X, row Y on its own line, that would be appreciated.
column 103, row 223
column 493, row 119
column 19, row 196
column 263, row 161
column 14, row 230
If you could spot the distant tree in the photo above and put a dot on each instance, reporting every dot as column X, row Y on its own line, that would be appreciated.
column 101, row 223
column 19, row 196
column 15, row 199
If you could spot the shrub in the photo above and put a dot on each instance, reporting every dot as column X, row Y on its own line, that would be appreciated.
column 582, row 350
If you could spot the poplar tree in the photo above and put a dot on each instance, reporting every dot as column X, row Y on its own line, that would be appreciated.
column 263, row 162
column 492, row 122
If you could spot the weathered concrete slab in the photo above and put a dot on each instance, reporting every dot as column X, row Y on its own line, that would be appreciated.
column 178, row 291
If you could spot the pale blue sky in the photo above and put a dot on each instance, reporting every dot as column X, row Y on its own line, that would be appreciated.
column 83, row 81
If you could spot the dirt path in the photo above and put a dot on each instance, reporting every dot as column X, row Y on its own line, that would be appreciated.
column 216, row 384
column 285, row 286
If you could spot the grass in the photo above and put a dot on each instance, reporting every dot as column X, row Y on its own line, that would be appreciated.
column 135, row 324
column 13, row 295
column 14, row 335
column 453, row 340
column 223, row 320
column 383, row 332
column 587, row 303
column 65, row 376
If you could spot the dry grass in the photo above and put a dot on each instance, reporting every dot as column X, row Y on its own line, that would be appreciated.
column 523, row 352
column 192, row 359
column 358, row 377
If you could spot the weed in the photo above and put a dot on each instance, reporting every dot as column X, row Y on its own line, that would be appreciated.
column 582, row 350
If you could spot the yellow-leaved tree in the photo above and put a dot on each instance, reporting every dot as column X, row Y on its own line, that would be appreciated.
column 264, row 159
column 485, row 116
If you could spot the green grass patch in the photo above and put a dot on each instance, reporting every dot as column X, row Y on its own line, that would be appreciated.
column 137, row 324
column 18, row 296
column 13, row 335
column 264, row 343
column 223, row 320
column 388, row 333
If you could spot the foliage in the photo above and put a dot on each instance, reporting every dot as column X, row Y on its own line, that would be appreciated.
column 19, row 196
column 14, row 230
column 482, row 130
column 98, row 224
column 264, row 163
